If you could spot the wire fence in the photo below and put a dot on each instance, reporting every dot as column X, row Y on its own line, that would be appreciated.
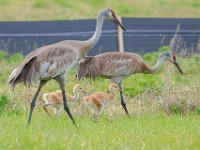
column 133, row 32
column 142, row 34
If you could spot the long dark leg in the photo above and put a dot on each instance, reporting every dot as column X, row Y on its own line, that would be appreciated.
column 122, row 99
column 61, row 80
column 42, row 83
column 66, row 107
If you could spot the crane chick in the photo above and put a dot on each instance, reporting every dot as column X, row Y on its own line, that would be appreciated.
column 99, row 100
column 55, row 99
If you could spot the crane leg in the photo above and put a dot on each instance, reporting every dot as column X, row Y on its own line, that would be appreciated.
column 62, row 80
column 32, row 105
column 122, row 99
column 66, row 107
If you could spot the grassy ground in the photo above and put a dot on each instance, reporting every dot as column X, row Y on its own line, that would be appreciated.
column 149, row 131
column 164, row 112
column 77, row 9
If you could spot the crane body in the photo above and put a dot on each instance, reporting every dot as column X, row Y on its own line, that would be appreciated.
column 117, row 66
column 53, row 61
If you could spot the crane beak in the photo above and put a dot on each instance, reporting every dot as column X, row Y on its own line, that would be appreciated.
column 85, row 92
column 177, row 66
column 116, row 21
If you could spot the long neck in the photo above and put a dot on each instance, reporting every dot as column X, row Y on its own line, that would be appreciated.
column 75, row 97
column 112, row 95
column 155, row 68
column 95, row 38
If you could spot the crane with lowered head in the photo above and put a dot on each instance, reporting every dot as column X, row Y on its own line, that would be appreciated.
column 117, row 66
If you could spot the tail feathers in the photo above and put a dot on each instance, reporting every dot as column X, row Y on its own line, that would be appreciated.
column 23, row 73
column 12, row 77
column 88, row 68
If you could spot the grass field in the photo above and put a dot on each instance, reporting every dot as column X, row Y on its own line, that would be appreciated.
column 148, row 131
column 164, row 108
column 19, row 10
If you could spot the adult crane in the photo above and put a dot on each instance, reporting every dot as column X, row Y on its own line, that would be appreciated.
column 117, row 66
column 53, row 61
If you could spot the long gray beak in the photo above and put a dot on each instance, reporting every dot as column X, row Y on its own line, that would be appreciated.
column 177, row 66
column 118, row 23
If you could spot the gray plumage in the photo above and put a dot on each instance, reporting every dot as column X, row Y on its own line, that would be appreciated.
column 117, row 66
column 53, row 61
column 46, row 62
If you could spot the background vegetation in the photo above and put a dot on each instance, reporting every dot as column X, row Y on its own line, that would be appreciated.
column 19, row 10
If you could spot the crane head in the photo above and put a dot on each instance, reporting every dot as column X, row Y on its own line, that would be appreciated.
column 79, row 89
column 114, row 87
column 110, row 15
column 171, row 57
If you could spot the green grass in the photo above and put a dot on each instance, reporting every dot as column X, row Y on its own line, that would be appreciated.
column 78, row 9
column 3, row 102
column 149, row 131
column 40, row 4
column 164, row 110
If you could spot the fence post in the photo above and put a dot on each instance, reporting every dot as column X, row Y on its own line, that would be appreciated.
column 120, row 36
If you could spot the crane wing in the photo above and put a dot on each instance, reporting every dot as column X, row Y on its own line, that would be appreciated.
column 45, row 62
column 116, row 64
column 56, row 61
column 112, row 64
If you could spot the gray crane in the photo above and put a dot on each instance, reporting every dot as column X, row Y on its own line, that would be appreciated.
column 53, row 61
column 117, row 66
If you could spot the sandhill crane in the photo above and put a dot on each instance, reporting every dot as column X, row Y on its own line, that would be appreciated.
column 55, row 99
column 53, row 61
column 99, row 100
column 117, row 66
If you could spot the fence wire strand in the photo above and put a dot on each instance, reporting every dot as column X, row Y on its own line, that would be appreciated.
column 111, row 33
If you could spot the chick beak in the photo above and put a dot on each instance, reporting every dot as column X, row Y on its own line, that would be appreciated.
column 116, row 21
column 85, row 92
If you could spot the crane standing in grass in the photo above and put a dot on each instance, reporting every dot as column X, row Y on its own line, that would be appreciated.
column 53, row 61
column 117, row 66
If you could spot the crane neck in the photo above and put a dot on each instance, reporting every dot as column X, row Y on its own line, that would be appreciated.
column 95, row 38
column 112, row 94
column 76, row 95
column 157, row 66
